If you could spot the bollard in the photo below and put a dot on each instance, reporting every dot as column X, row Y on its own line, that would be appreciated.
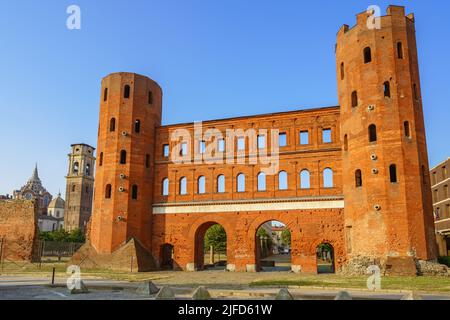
column 53, row 276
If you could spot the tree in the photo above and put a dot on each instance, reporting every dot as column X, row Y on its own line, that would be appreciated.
column 286, row 237
column 217, row 238
column 63, row 236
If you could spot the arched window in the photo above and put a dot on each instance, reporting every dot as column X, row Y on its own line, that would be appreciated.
column 387, row 89
column 100, row 160
column 88, row 169
column 108, row 191
column 165, row 187
column 400, row 50
column 261, row 181
column 372, row 133
column 150, row 97
column 112, row 124
column 393, row 173
column 147, row 160
column 126, row 92
column 123, row 157
column 76, row 167
column 305, row 179
column 342, row 71
column 221, row 183
column 282, row 180
column 137, row 126
column 240, row 183
column 201, row 185
column 345, row 143
column 134, row 192
column 407, row 129
column 358, row 178
column 74, row 188
column 354, row 99
column 183, row 186
column 367, row 55
column 416, row 94
column 105, row 94
column 328, row 178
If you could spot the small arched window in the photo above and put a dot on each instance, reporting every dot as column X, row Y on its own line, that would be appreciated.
column 108, row 191
column 137, row 126
column 342, row 71
column 367, row 55
column 358, row 178
column 74, row 188
column 354, row 99
column 147, row 160
column 416, row 93
column 261, row 181
column 165, row 187
column 345, row 143
column 407, row 129
column 134, row 192
column 201, row 185
column 126, row 92
column 393, row 173
column 328, row 178
column 183, row 186
column 372, row 133
column 282, row 180
column 400, row 50
column 112, row 124
column 150, row 97
column 76, row 167
column 240, row 183
column 100, row 160
column 387, row 89
column 221, row 183
column 123, row 157
column 105, row 94
column 305, row 179
column 88, row 169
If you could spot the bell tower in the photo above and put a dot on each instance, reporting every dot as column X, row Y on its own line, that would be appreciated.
column 388, row 211
column 130, row 110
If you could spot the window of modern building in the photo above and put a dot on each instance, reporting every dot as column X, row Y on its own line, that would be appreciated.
column 326, row 135
column 400, row 50
column 328, row 178
column 241, row 143
column 282, row 180
column 261, row 142
column 126, row 92
column 108, row 191
column 444, row 172
column 358, row 178
column 201, row 185
column 387, row 89
column 393, row 173
column 123, row 157
column 240, row 183
column 446, row 192
column 261, row 181
column 137, row 126
column 305, row 179
column 183, row 186
column 105, row 94
column 221, row 183
column 354, row 99
column 367, row 55
column 166, row 150
column 221, row 145
column 282, row 139
column 112, row 124
column 435, row 195
column 165, row 187
column 372, row 133
column 134, row 192
column 304, row 137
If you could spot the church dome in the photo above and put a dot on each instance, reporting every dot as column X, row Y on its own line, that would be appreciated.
column 57, row 203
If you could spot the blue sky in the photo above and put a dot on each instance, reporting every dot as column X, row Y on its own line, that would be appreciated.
column 213, row 59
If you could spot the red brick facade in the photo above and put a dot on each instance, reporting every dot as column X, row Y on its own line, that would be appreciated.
column 380, row 218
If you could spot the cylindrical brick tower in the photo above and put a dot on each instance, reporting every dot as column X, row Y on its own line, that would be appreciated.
column 130, row 110
column 388, row 211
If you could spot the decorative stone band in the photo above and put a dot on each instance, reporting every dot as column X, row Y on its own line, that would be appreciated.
column 304, row 203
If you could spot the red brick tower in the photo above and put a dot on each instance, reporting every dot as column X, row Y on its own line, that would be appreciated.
column 130, row 110
column 388, row 210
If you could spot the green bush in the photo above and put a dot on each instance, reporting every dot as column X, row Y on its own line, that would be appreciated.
column 444, row 260
column 63, row 236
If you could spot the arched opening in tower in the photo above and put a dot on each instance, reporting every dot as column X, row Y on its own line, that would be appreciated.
column 167, row 256
column 210, row 247
column 325, row 258
column 273, row 247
